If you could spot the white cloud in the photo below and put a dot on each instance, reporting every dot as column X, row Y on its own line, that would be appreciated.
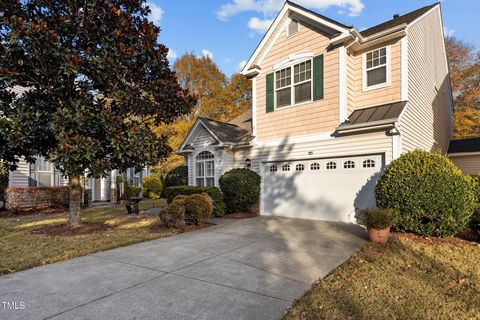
column 240, row 65
column 448, row 32
column 156, row 13
column 270, row 7
column 259, row 25
column 207, row 54
column 172, row 55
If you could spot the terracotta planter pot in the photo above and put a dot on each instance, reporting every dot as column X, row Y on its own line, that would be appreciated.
column 379, row 235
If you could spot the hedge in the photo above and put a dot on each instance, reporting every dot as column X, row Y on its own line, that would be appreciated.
column 213, row 192
column 240, row 188
column 431, row 194
column 475, row 181
column 3, row 182
column 177, row 177
column 37, row 197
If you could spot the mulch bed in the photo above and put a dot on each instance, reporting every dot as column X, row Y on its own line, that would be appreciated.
column 65, row 230
column 186, row 228
column 241, row 215
column 465, row 238
column 29, row 212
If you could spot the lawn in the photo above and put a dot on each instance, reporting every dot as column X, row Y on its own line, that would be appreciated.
column 410, row 278
column 21, row 249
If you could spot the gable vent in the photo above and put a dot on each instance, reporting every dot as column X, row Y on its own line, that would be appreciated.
column 292, row 27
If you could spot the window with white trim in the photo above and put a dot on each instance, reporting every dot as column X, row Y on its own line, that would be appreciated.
column 315, row 166
column 332, row 165
column 288, row 92
column 286, row 167
column 349, row 164
column 369, row 163
column 376, row 67
column 273, row 168
column 43, row 174
column 205, row 169
column 299, row 167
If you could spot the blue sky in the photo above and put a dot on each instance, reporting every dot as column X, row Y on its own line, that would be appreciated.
column 229, row 30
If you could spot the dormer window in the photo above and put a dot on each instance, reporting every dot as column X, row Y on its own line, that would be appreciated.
column 376, row 71
column 299, row 90
column 292, row 27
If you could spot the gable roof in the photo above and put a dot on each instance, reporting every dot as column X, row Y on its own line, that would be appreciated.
column 235, row 131
column 404, row 19
column 464, row 145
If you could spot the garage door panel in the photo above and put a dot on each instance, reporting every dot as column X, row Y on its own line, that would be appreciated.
column 320, row 193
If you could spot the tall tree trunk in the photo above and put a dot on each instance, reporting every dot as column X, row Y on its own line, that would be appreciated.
column 75, row 201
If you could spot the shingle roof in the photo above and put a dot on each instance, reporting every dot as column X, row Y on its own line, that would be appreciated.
column 464, row 145
column 384, row 112
column 406, row 18
column 237, row 130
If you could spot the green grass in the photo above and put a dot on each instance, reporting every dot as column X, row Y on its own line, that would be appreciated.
column 20, row 249
column 410, row 278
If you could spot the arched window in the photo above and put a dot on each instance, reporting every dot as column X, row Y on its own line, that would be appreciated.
column 286, row 167
column 369, row 163
column 205, row 169
column 299, row 167
column 349, row 164
column 332, row 165
column 315, row 166
column 273, row 168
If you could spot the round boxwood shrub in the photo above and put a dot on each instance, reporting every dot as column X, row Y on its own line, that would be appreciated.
column 432, row 196
column 177, row 177
column 198, row 208
column 173, row 216
column 475, row 182
column 240, row 188
column 152, row 186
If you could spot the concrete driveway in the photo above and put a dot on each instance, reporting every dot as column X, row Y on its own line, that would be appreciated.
column 238, row 269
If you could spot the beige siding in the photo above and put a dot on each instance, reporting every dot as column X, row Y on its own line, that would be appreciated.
column 350, row 83
column 426, row 122
column 390, row 93
column 469, row 164
column 309, row 118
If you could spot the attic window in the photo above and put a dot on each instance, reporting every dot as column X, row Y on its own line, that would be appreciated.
column 292, row 27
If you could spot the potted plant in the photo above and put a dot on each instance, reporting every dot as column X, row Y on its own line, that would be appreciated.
column 378, row 222
column 132, row 198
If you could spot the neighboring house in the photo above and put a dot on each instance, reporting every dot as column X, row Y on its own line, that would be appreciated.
column 465, row 153
column 332, row 106
column 43, row 173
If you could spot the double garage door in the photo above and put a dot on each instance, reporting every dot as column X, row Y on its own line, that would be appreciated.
column 324, row 189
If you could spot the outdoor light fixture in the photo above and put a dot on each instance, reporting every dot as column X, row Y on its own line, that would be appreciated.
column 248, row 163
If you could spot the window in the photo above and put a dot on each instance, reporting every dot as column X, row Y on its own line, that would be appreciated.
column 41, row 173
column 286, row 167
column 369, row 163
column 292, row 27
column 331, row 165
column 300, row 90
column 315, row 166
column 376, row 67
column 349, row 164
column 205, row 169
column 273, row 168
column 299, row 167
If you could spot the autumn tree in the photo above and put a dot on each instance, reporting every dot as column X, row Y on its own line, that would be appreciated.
column 96, row 81
column 219, row 98
column 464, row 64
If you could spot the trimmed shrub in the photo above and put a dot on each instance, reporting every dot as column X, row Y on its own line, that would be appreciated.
column 432, row 196
column 213, row 192
column 173, row 216
column 152, row 186
column 377, row 218
column 241, row 189
column 198, row 208
column 177, row 177
column 37, row 198
column 475, row 182
column 3, row 183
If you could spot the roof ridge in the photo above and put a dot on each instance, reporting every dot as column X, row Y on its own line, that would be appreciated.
column 217, row 121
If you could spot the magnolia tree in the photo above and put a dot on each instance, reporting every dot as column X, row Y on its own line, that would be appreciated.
column 95, row 82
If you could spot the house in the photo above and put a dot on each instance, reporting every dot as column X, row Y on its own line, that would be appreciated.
column 332, row 106
column 42, row 173
column 465, row 153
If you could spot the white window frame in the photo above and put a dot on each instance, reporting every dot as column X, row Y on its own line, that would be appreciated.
column 387, row 83
column 204, row 161
column 38, row 171
column 292, row 85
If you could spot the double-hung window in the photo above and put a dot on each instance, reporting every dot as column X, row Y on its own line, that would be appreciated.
column 376, row 68
column 43, row 174
column 299, row 90
column 205, row 169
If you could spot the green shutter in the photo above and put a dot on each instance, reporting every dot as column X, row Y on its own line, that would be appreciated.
column 269, row 102
column 318, row 77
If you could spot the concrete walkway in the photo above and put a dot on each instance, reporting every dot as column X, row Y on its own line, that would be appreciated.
column 238, row 269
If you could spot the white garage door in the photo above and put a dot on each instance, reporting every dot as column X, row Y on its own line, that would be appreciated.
column 325, row 189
